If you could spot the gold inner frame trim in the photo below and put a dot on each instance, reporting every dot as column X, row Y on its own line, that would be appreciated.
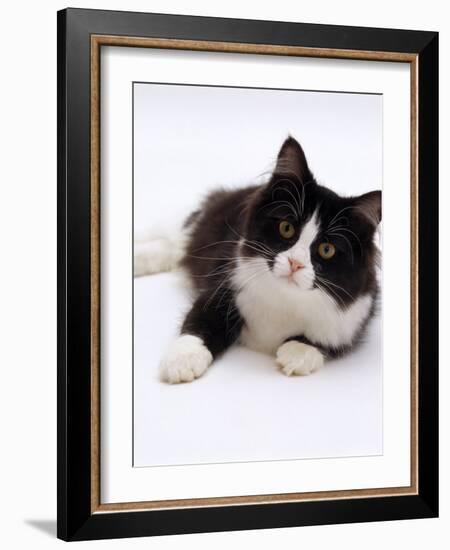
column 263, row 49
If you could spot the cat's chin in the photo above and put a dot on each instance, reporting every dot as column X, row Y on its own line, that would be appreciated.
column 290, row 282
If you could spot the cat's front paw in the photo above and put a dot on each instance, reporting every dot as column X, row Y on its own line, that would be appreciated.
column 187, row 359
column 298, row 358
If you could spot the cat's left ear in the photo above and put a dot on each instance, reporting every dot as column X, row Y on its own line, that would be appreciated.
column 369, row 206
column 291, row 161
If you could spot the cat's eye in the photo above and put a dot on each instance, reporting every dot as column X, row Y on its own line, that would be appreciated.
column 286, row 229
column 327, row 250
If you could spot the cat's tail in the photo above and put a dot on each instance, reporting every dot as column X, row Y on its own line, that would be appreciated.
column 155, row 252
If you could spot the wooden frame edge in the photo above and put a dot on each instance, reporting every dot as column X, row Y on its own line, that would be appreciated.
column 95, row 273
column 262, row 49
column 414, row 220
column 254, row 499
column 238, row 47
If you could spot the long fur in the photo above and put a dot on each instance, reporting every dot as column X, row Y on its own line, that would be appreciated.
column 261, row 288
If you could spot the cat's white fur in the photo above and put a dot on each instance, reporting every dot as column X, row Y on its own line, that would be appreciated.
column 187, row 359
column 298, row 358
column 158, row 253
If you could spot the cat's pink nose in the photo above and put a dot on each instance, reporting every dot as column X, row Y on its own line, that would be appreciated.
column 295, row 265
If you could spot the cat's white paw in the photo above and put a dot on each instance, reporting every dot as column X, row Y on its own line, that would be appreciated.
column 297, row 358
column 187, row 359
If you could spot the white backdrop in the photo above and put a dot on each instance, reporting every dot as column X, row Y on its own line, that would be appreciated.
column 189, row 139
column 28, row 277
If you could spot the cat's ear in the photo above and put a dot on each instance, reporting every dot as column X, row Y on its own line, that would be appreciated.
column 369, row 206
column 292, row 161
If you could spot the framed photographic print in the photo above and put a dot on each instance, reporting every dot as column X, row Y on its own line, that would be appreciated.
column 247, row 256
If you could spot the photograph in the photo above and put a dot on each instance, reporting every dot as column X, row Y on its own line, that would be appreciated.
column 247, row 274
column 257, row 274
column 222, row 288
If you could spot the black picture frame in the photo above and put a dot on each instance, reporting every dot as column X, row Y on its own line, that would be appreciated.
column 76, row 519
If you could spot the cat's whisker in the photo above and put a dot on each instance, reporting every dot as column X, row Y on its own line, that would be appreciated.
column 265, row 253
column 211, row 298
column 337, row 234
column 262, row 253
column 254, row 245
column 244, row 240
column 323, row 279
column 333, row 292
column 300, row 201
column 258, row 244
column 341, row 219
column 352, row 233
column 222, row 270
column 218, row 258
column 224, row 281
column 216, row 243
column 290, row 193
column 232, row 309
column 221, row 258
column 260, row 271
column 280, row 205
column 261, row 248
column 339, row 213
column 231, row 270
column 327, row 294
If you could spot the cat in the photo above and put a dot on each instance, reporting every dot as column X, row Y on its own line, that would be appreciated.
column 288, row 268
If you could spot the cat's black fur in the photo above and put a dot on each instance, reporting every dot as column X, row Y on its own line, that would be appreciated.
column 251, row 215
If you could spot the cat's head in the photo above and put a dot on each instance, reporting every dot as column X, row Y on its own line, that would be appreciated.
column 310, row 237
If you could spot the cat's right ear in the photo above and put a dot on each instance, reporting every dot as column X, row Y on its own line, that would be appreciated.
column 369, row 206
column 291, row 161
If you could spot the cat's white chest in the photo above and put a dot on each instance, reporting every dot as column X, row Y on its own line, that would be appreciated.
column 267, row 323
column 275, row 310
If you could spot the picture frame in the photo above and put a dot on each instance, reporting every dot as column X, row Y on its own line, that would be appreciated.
column 81, row 36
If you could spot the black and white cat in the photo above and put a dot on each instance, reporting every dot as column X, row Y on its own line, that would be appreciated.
column 287, row 268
